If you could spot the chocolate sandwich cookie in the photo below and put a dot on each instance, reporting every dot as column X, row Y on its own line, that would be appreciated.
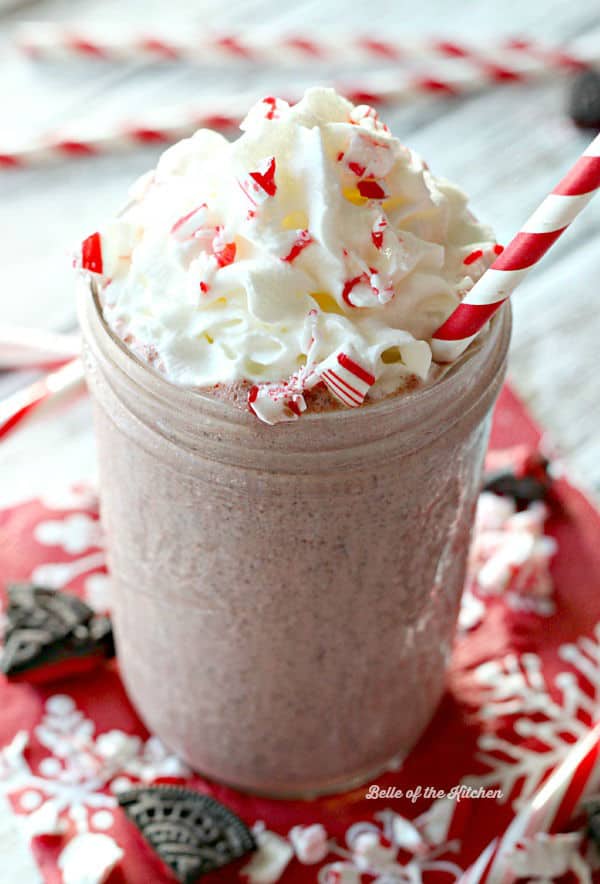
column 584, row 100
column 191, row 833
column 527, row 484
column 51, row 634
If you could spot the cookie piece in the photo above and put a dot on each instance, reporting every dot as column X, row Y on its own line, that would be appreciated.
column 525, row 481
column 584, row 100
column 51, row 634
column 192, row 833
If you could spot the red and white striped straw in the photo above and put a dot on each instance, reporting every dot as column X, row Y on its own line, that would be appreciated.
column 223, row 114
column 532, row 242
column 553, row 806
column 506, row 60
column 26, row 347
column 156, row 128
column 14, row 409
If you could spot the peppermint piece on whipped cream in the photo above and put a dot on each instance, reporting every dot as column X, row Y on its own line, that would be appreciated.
column 258, row 262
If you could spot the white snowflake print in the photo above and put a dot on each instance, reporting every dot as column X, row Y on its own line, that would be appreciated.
column 71, row 497
column 76, row 534
column 97, row 592
column 514, row 688
column 56, row 575
column 73, row 792
column 89, row 858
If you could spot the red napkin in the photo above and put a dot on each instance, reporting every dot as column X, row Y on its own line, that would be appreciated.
column 522, row 687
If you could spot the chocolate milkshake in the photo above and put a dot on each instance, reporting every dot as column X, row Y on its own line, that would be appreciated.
column 287, row 480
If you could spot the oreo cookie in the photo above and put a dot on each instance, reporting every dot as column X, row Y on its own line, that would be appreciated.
column 523, row 489
column 584, row 100
column 530, row 483
column 51, row 634
column 193, row 834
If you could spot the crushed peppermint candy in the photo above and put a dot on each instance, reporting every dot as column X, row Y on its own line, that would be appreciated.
column 309, row 843
column 373, row 850
column 108, row 253
column 339, row 873
column 346, row 379
column 378, row 231
column 371, row 189
column 368, row 156
column 275, row 403
column 89, row 858
column 273, row 107
column 473, row 256
column 260, row 184
column 223, row 251
column 325, row 220
column 545, row 857
column 472, row 611
column 350, row 285
column 367, row 116
column 510, row 554
column 269, row 108
column 270, row 860
column 302, row 240
column 191, row 224
column 382, row 289
column 477, row 254
column 367, row 290
column 91, row 254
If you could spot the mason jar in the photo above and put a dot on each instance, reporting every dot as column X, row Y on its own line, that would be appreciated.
column 285, row 597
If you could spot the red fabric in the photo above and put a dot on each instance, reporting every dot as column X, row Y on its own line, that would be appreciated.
column 450, row 749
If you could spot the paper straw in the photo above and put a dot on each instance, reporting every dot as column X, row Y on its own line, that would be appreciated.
column 532, row 242
column 26, row 347
column 553, row 806
column 123, row 135
column 14, row 409
column 223, row 114
column 510, row 59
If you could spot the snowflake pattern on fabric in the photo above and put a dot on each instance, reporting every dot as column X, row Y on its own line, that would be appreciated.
column 515, row 691
column 73, row 790
column 75, row 534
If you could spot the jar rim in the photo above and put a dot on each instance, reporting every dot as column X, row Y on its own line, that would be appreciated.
column 494, row 342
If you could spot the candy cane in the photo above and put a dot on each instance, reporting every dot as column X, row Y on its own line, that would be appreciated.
column 14, row 409
column 507, row 60
column 532, row 242
column 549, row 811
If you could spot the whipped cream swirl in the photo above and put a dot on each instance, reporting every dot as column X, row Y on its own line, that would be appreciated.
column 315, row 249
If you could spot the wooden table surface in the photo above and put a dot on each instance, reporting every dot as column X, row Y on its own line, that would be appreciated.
column 506, row 147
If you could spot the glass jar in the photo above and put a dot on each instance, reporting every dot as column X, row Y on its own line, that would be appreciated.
column 285, row 598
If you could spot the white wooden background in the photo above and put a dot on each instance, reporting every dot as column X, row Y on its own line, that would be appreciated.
column 507, row 147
